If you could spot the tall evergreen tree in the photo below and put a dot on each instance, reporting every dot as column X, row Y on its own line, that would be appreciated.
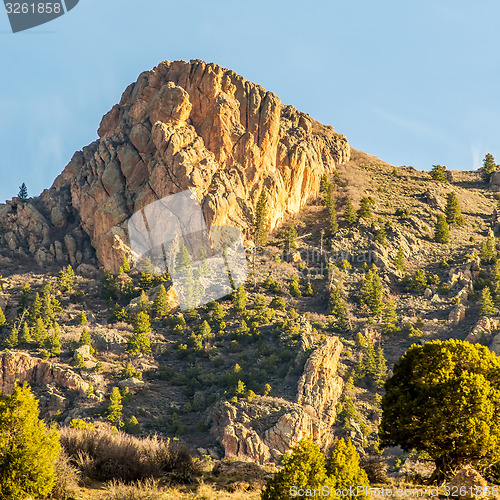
column 125, row 267
column 23, row 193
column 488, row 251
column 85, row 339
column 365, row 208
column 349, row 213
column 345, row 471
column 441, row 230
column 3, row 320
column 47, row 311
column 28, row 450
column 114, row 412
column 35, row 310
column 13, row 339
column 39, row 332
column 260, row 224
column 25, row 336
column 399, row 261
column 329, row 201
column 83, row 318
column 143, row 303
column 390, row 319
column 486, row 306
column 240, row 299
column 372, row 291
column 160, row 305
column 489, row 166
column 338, row 307
column 53, row 342
column 453, row 212
column 24, row 301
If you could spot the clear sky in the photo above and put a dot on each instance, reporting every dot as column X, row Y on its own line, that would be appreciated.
column 415, row 83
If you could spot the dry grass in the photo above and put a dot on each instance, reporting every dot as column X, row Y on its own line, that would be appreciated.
column 151, row 490
column 104, row 455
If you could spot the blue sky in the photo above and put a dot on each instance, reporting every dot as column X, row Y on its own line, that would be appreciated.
column 415, row 83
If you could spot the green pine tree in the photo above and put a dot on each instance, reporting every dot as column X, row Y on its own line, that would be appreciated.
column 125, row 267
column 329, row 201
column 337, row 306
column 390, row 319
column 12, row 340
column 365, row 210
column 39, row 332
column 304, row 468
column 66, row 279
column 25, row 300
column 160, row 305
column 28, row 450
column 23, row 193
column 139, row 342
column 83, row 319
column 240, row 299
column 143, row 303
column 25, row 337
column 3, row 320
column 441, row 230
column 438, row 173
column 53, row 342
column 260, row 225
column 489, row 166
column 452, row 210
column 114, row 411
column 486, row 306
column 47, row 312
column 85, row 339
column 399, row 261
column 372, row 291
column 294, row 287
column 35, row 310
column 345, row 471
column 349, row 213
column 488, row 251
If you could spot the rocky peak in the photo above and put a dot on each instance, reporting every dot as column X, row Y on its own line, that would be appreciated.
column 183, row 126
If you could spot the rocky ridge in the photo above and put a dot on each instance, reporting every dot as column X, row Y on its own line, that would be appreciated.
column 180, row 126
column 267, row 427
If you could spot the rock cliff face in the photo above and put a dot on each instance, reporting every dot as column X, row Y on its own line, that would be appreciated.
column 21, row 367
column 268, row 427
column 182, row 125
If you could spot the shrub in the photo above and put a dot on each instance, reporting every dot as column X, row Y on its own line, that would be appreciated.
column 303, row 468
column 441, row 230
column 438, row 173
column 104, row 455
column 294, row 286
column 344, row 469
column 278, row 303
column 402, row 213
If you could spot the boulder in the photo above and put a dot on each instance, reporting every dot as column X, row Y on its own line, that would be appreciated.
column 132, row 383
column 457, row 314
column 470, row 481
